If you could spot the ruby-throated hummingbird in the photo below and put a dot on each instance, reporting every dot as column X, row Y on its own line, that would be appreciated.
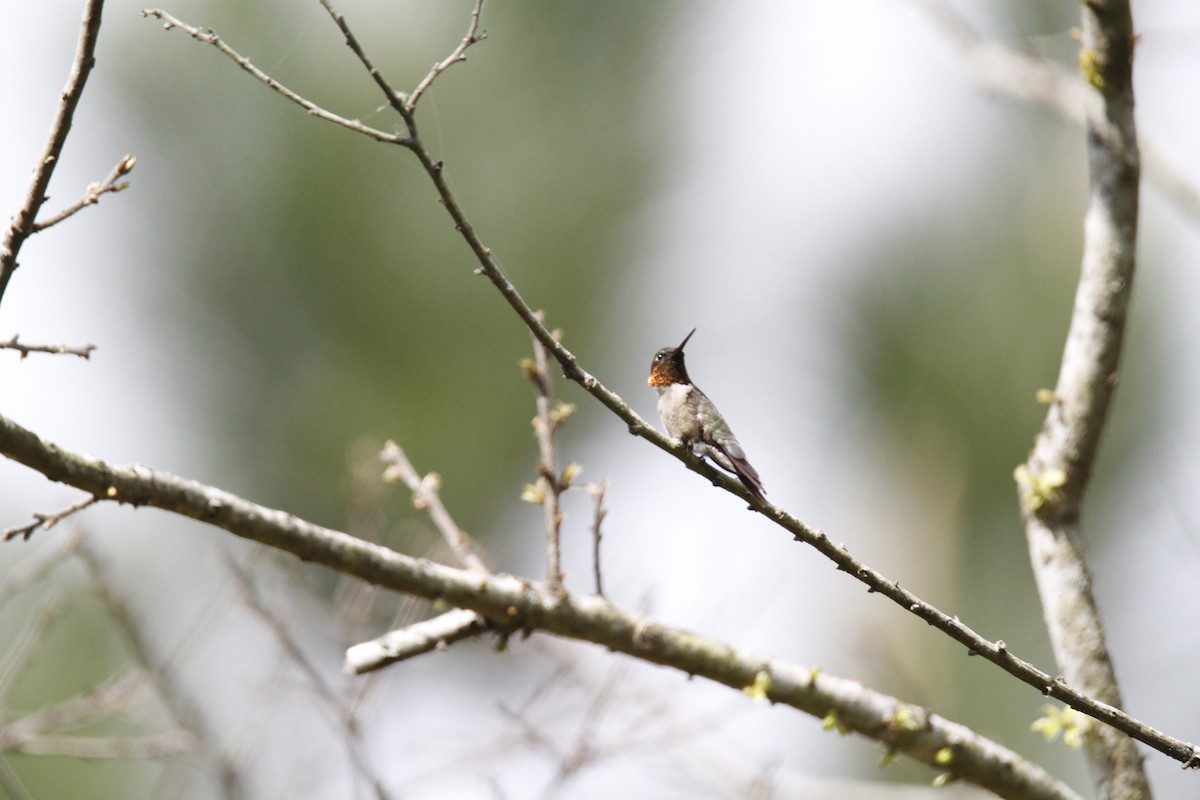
column 688, row 415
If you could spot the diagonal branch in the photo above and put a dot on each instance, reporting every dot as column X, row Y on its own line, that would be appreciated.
column 512, row 603
column 515, row 604
column 22, row 225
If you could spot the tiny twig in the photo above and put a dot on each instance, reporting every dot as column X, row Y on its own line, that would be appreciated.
column 550, row 486
column 48, row 521
column 91, row 196
column 414, row 640
column 210, row 37
column 22, row 225
column 597, row 490
column 426, row 498
column 84, row 351
column 459, row 54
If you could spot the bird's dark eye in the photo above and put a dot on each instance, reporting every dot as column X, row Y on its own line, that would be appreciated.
column 657, row 357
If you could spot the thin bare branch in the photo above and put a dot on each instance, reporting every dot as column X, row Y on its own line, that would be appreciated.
column 425, row 498
column 597, row 490
column 294, row 655
column 550, row 486
column 515, row 603
column 160, row 673
column 48, row 521
column 415, row 640
column 94, row 192
column 157, row 745
column 14, row 343
column 23, row 222
column 432, row 634
column 21, row 648
column 28, row 571
column 459, row 54
column 395, row 99
column 210, row 37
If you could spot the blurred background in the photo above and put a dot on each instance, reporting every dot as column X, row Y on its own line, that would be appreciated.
column 879, row 255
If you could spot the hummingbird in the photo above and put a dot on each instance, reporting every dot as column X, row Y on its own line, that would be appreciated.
column 688, row 415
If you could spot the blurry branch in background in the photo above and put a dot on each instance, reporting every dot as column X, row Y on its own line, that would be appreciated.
column 1054, row 480
column 342, row 713
column 575, row 754
column 23, row 223
column 47, row 521
column 161, row 673
column 43, row 732
column 515, row 604
column 1046, row 84
column 47, row 731
column 84, row 352
column 25, row 573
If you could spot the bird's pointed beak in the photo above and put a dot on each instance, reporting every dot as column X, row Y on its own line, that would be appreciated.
column 685, row 340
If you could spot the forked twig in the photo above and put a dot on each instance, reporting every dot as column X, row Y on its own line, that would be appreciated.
column 94, row 192
column 210, row 37
column 459, row 54
column 48, row 521
column 22, row 225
